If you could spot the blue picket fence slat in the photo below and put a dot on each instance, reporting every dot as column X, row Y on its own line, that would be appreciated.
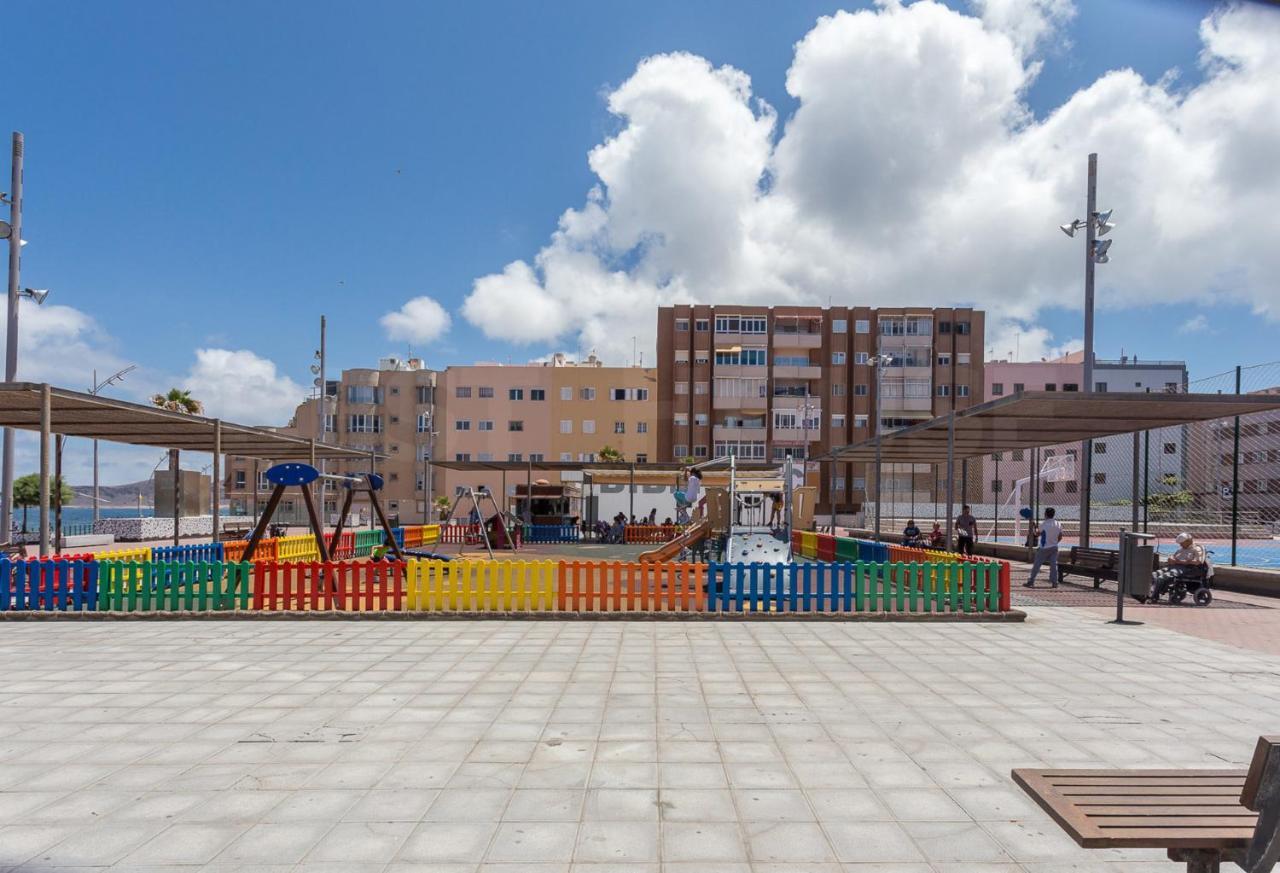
column 551, row 533
column 57, row 585
column 210, row 553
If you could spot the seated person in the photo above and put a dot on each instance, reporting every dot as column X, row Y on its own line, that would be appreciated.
column 910, row 533
column 1188, row 554
column 937, row 539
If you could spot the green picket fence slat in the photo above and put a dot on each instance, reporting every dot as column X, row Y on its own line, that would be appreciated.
column 194, row 586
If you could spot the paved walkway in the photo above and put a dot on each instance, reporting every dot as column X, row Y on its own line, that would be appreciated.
column 592, row 747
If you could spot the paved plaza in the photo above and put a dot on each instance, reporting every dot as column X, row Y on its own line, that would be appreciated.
column 593, row 747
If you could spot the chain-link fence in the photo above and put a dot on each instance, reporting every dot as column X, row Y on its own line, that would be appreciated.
column 1217, row 481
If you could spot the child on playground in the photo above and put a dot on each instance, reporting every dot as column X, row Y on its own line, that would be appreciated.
column 689, row 496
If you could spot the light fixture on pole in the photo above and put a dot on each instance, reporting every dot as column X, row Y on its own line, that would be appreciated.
column 1096, row 224
column 98, row 386
column 879, row 361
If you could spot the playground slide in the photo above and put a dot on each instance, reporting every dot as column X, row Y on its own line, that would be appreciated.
column 695, row 533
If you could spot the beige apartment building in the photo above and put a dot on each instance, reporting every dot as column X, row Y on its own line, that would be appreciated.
column 557, row 410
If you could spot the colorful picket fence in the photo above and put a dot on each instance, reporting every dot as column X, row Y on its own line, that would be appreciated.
column 335, row 585
column 49, row 584
column 854, row 587
column 600, row 586
column 481, row 586
column 650, row 533
column 200, row 552
column 125, row 586
column 552, row 533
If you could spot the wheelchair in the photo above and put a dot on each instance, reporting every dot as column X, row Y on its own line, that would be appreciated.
column 1176, row 582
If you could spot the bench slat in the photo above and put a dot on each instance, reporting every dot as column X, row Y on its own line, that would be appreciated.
column 1103, row 813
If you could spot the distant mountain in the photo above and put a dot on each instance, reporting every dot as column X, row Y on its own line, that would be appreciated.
column 113, row 495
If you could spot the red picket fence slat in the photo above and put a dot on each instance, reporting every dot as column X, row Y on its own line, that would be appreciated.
column 333, row 586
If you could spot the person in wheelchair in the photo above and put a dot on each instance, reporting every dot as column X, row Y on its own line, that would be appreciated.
column 1188, row 570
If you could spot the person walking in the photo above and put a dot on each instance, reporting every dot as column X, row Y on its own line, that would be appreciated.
column 1046, row 550
column 966, row 531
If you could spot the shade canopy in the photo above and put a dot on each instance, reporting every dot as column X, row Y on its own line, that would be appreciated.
column 578, row 466
column 1031, row 419
column 79, row 414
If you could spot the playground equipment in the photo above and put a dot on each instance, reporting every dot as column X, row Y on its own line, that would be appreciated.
column 285, row 476
column 501, row 524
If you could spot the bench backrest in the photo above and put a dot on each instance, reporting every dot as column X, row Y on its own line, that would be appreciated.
column 1261, row 793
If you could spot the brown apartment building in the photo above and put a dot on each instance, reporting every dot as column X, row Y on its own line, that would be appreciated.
column 767, row 382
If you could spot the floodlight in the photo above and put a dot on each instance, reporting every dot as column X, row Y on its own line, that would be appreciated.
column 1068, row 229
column 1100, row 247
column 36, row 294
column 1103, row 217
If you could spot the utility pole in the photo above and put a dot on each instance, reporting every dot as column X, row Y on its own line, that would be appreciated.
column 322, row 416
column 11, row 333
column 1086, row 447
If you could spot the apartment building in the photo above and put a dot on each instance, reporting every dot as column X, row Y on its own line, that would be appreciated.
column 386, row 411
column 557, row 410
column 764, row 383
column 1162, row 452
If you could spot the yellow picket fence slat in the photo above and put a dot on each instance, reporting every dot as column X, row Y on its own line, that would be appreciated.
column 481, row 586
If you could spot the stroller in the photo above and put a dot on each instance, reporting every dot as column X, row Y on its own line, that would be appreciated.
column 1178, row 581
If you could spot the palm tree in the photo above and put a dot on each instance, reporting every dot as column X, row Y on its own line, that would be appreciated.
column 609, row 455
column 178, row 400
column 26, row 493
column 442, row 505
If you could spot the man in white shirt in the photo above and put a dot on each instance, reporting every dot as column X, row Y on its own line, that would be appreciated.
column 1047, row 549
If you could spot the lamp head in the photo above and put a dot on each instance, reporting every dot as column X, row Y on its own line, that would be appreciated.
column 36, row 294
column 1103, row 217
column 1100, row 248
column 1105, row 228
column 1068, row 229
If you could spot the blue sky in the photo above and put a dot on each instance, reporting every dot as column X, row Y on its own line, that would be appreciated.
column 205, row 175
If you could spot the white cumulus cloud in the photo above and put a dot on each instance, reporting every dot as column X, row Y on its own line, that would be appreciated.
column 240, row 386
column 913, row 171
column 420, row 320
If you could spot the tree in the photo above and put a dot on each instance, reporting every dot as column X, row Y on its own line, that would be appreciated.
column 178, row 400
column 1161, row 503
column 26, row 493
column 442, row 505
column 609, row 455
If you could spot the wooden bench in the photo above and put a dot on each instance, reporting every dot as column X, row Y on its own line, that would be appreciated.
column 1086, row 561
column 1200, row 817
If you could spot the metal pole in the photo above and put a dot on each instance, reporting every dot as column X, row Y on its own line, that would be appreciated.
column 995, row 499
column 46, row 416
column 95, row 461
column 1146, row 477
column 951, row 467
column 11, row 334
column 57, row 494
column 1235, row 480
column 321, row 417
column 1134, row 519
column 176, row 466
column 632, row 489
column 879, row 391
column 217, row 477
column 373, row 458
column 1086, row 447
column 255, row 490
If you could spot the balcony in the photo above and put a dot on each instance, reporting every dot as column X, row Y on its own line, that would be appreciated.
column 900, row 404
column 905, row 341
column 725, row 433
column 797, row 340
column 796, row 434
column 790, row 402
column 741, row 403
column 790, row 371
column 752, row 371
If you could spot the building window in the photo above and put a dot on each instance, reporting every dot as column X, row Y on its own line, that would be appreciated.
column 837, row 389
column 859, row 421
column 860, row 357
column 837, row 422
column 700, row 419
column 1099, row 448
column 462, row 424
column 629, row 393
column 962, row 390
column 682, row 325
column 566, row 425
column 839, row 325
column 859, row 390
column 837, row 483
column 962, row 357
column 1099, row 478
column 566, row 393
column 1169, row 449
column 424, row 422
column 680, row 419
column 682, row 356
column 363, row 394
column 944, row 327
column 702, row 325
column 1070, row 386
column 462, row 391
column 1100, row 387
column 240, row 476
column 682, row 387
column 586, row 394
column 514, row 456
column 699, row 451
column 996, row 486
column 619, row 427
column 944, row 390
column 484, row 424
column 680, row 451
column 330, row 423
column 700, row 387
column 566, row 456
column 701, row 356
column 364, row 423
column 997, row 389
column 536, row 457
column 516, row 425
column 962, row 328
column 588, row 425
column 515, row 394
column 859, row 483
column 537, row 394
column 1019, row 387
column 944, row 360
column 485, row 456
column 485, row 391
column 1051, row 386
column 1049, row 487
column 462, row 456
column 642, row 458
column 642, row 427
column 862, row 325
column 425, row 394
column 1071, row 487
column 837, row 358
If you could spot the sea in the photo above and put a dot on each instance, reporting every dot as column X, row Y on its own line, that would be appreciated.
column 80, row 515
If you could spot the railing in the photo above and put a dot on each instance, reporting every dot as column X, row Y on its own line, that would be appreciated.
column 481, row 586
column 552, row 533
column 597, row 586
column 650, row 533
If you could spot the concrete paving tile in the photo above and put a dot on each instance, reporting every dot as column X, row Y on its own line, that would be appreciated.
column 453, row 842
column 527, row 842
column 621, row 804
column 954, row 841
column 468, row 804
column 545, row 804
column 614, row 841
column 789, row 842
column 697, row 805
column 366, row 842
column 18, row 843
column 185, row 844
column 702, row 842
column 273, row 843
column 880, row 841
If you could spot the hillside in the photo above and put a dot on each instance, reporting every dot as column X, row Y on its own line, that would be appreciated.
column 113, row 495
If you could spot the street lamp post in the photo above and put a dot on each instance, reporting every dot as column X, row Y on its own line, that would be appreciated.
column 1096, row 224
column 11, row 334
column 98, row 386
column 879, row 361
